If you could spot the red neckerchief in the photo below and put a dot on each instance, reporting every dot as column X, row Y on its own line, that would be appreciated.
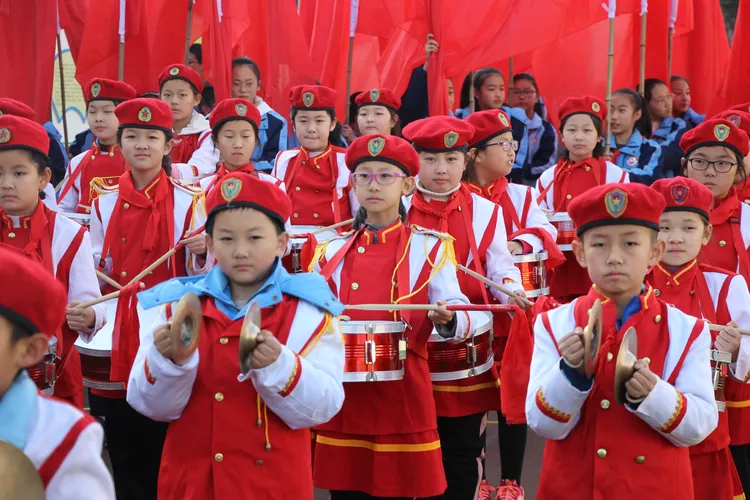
column 563, row 173
column 423, row 211
column 726, row 208
column 39, row 246
column 729, row 210
column 496, row 192
column 222, row 171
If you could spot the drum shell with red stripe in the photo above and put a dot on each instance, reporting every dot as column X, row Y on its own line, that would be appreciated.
column 45, row 372
column 455, row 361
column 566, row 230
column 375, row 351
column 533, row 268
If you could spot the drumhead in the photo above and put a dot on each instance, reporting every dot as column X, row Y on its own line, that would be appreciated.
column 559, row 217
column 101, row 344
column 360, row 327
column 531, row 257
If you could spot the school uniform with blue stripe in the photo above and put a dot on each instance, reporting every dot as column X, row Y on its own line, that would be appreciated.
column 273, row 137
column 640, row 157
column 693, row 119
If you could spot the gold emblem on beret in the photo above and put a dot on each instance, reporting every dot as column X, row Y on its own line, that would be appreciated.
column 174, row 71
column 96, row 90
column 450, row 139
column 4, row 135
column 721, row 132
column 144, row 114
column 735, row 119
column 230, row 189
column 503, row 119
column 374, row 95
column 240, row 109
column 616, row 201
column 595, row 107
column 375, row 146
column 308, row 98
column 1, row 112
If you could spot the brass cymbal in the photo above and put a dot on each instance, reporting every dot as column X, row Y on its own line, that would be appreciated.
column 592, row 338
column 625, row 364
column 185, row 328
column 249, row 336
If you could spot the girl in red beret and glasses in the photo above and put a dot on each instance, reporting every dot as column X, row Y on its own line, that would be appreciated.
column 714, row 151
column 384, row 442
column 61, row 245
column 581, row 168
column 741, row 118
column 133, row 224
column 234, row 130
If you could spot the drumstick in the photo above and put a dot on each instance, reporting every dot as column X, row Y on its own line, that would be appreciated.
column 103, row 298
column 61, row 184
column 108, row 280
column 491, row 283
column 720, row 328
column 333, row 226
column 430, row 307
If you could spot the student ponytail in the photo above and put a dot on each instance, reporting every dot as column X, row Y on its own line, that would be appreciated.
column 361, row 218
column 643, row 124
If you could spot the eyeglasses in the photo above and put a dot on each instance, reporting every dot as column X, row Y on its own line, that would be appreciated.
column 383, row 178
column 506, row 145
column 721, row 167
column 525, row 92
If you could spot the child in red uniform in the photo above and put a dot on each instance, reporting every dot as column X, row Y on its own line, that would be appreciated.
column 103, row 163
column 578, row 170
column 315, row 174
column 193, row 154
column 133, row 225
column 742, row 120
column 60, row 244
column 597, row 449
column 296, row 371
column 706, row 292
column 384, row 442
column 714, row 151
column 377, row 112
column 234, row 130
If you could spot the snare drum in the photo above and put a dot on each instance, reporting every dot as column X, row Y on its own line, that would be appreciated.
column 293, row 261
column 96, row 356
column 455, row 361
column 533, row 269
column 375, row 351
column 44, row 373
column 566, row 231
column 82, row 219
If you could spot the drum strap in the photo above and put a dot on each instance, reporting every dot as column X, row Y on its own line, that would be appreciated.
column 473, row 241
column 331, row 265
column 52, row 464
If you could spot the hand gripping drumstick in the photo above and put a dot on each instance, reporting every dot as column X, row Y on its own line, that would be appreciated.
column 430, row 307
column 497, row 286
column 719, row 328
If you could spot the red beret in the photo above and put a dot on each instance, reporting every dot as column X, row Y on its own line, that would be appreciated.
column 379, row 97
column 234, row 109
column 16, row 108
column 685, row 195
column 488, row 124
column 439, row 133
column 611, row 204
column 587, row 105
column 100, row 89
column 387, row 148
column 181, row 72
column 741, row 119
column 239, row 189
column 22, row 133
column 742, row 107
column 30, row 296
column 314, row 97
column 145, row 113
column 715, row 132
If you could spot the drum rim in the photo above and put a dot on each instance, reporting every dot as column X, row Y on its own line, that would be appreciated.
column 537, row 292
column 463, row 374
column 540, row 256
column 480, row 330
column 383, row 376
column 93, row 352
column 392, row 327
column 559, row 217
column 76, row 216
column 565, row 247
column 103, row 386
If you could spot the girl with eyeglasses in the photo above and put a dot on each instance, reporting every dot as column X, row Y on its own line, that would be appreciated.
column 581, row 168
column 541, row 135
column 384, row 442
column 632, row 150
column 666, row 129
column 714, row 152
column 741, row 118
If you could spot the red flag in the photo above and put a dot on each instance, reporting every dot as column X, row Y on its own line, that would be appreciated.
column 73, row 15
column 437, row 92
column 657, row 36
column 29, row 28
column 224, row 24
column 702, row 54
column 735, row 87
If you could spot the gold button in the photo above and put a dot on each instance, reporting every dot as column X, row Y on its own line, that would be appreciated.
column 610, row 356
column 315, row 216
column 297, row 188
column 259, row 463
column 657, row 292
column 669, row 283
column 126, row 206
column 124, row 240
column 11, row 235
column 93, row 157
column 569, row 197
column 601, row 453
column 640, row 460
column 296, row 214
column 123, row 274
column 588, row 169
column 604, row 404
column 317, row 190
column 355, row 286
column 110, row 181
column 459, row 208
column 657, row 318
column 219, row 397
column 747, row 202
column 219, row 457
column 224, row 340
column 361, row 250
column 304, row 162
column 722, row 243
column 317, row 166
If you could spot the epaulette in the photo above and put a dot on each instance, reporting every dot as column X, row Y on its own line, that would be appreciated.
column 422, row 230
column 188, row 188
column 321, row 249
column 99, row 185
column 449, row 253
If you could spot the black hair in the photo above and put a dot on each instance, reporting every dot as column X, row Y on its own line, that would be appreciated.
column 361, row 217
column 470, row 171
column 166, row 161
column 740, row 176
column 151, row 95
column 17, row 333
column 353, row 108
column 480, row 76
column 643, row 124
column 246, row 61
column 648, row 85
column 598, row 149
column 335, row 136
column 197, row 50
column 217, row 129
column 208, row 96
column 211, row 219
column 395, row 130
column 538, row 107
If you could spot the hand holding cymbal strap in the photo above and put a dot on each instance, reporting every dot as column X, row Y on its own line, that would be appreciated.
column 592, row 339
column 185, row 328
column 249, row 336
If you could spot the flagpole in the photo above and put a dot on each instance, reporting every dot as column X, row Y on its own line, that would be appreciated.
column 644, row 13
column 610, row 67
column 511, row 72
column 62, row 82
column 188, row 29
column 472, row 99
column 353, row 17
column 121, row 32
column 672, row 21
